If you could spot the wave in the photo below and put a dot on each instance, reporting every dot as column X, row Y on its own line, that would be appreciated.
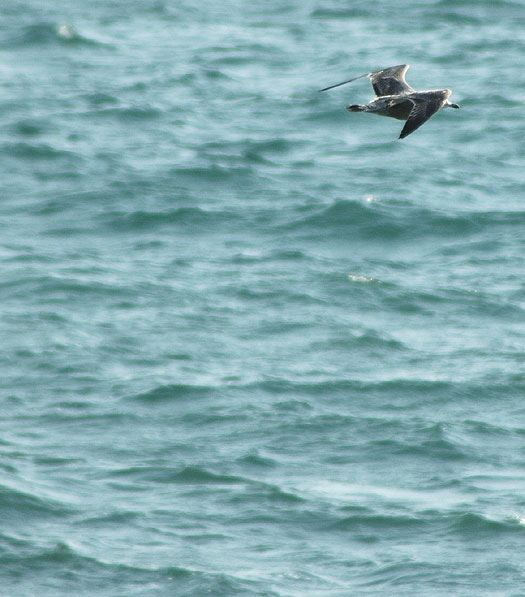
column 212, row 174
column 400, row 222
column 476, row 525
column 272, row 255
column 173, row 393
column 186, row 218
column 422, row 445
column 283, row 387
column 31, row 127
column 49, row 34
column 35, row 151
column 345, row 387
column 189, row 475
column 193, row 476
column 340, row 12
column 125, row 113
column 60, row 288
column 82, row 574
column 251, row 151
column 294, row 394
column 377, row 523
column 367, row 340
column 19, row 505
column 256, row 461
column 388, row 578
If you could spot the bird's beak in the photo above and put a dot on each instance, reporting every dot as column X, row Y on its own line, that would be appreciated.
column 454, row 106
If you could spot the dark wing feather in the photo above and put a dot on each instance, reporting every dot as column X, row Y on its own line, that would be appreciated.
column 390, row 81
column 426, row 104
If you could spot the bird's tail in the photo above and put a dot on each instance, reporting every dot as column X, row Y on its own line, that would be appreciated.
column 355, row 108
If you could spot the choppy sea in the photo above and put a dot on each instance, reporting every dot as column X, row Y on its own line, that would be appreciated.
column 253, row 344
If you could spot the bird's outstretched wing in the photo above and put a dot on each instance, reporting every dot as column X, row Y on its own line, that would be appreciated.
column 388, row 81
column 426, row 104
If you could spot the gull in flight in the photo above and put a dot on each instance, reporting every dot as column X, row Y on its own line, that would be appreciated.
column 395, row 98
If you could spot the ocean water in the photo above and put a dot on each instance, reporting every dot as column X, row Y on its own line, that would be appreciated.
column 253, row 344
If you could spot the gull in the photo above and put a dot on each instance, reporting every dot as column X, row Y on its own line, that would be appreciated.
column 395, row 98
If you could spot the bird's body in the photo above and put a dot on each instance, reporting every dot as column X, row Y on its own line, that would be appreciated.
column 396, row 99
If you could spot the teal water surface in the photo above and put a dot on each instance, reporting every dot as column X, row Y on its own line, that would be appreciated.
column 253, row 344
